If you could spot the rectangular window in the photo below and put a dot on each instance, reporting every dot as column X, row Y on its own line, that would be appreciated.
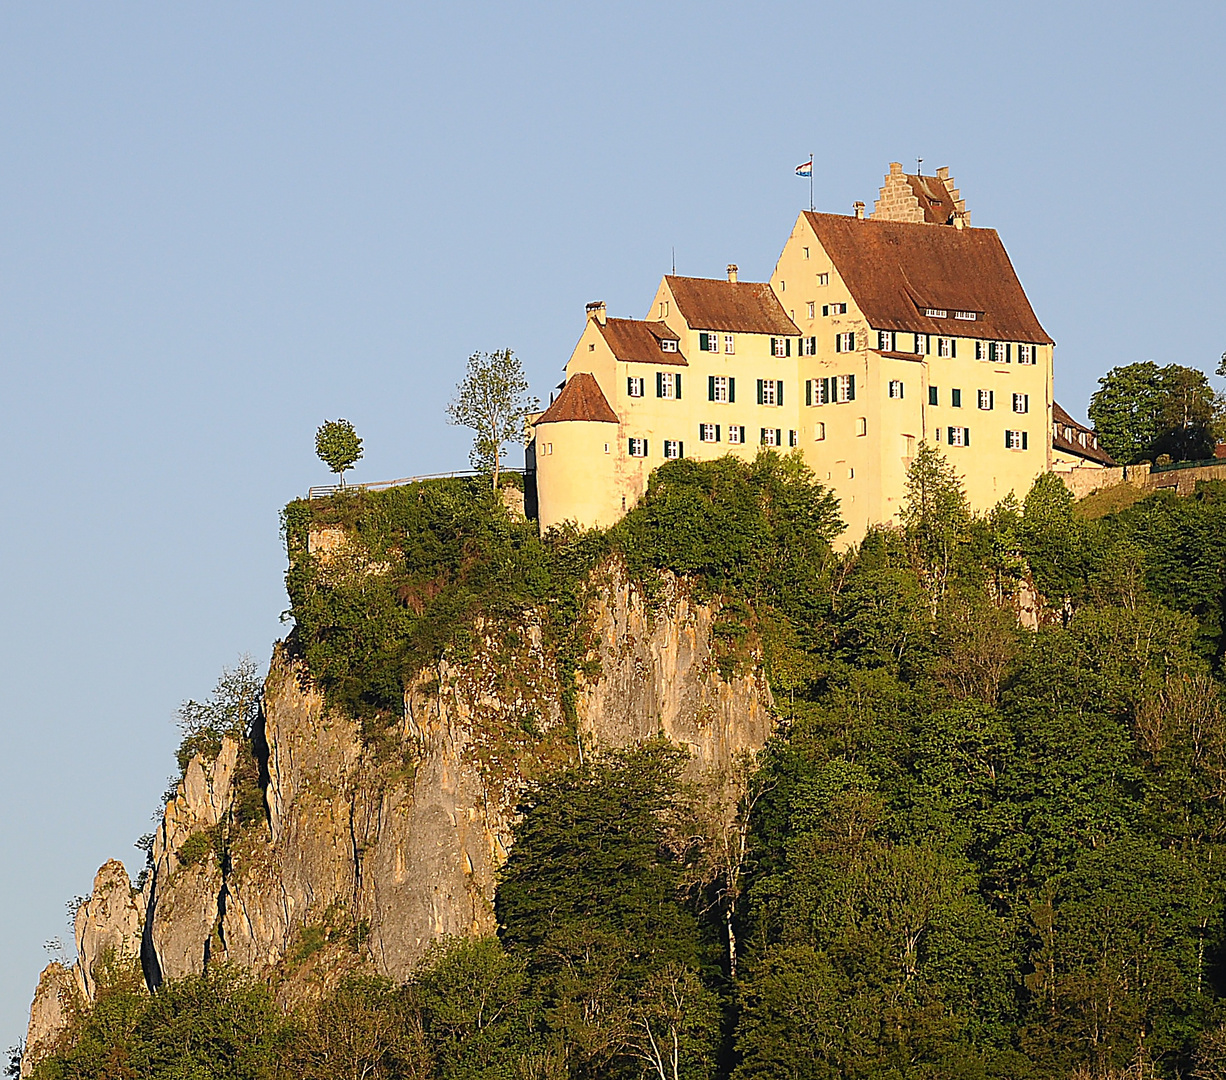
column 969, row 316
column 729, row 344
column 771, row 436
column 1015, row 440
column 838, row 309
column 934, row 397
column 885, row 340
column 1027, row 354
column 708, row 342
column 793, row 439
column 663, row 309
column 719, row 388
column 847, row 388
column 1021, row 403
column 638, row 447
column 668, row 384
column 808, row 346
column 806, row 251
column 812, row 305
column 668, row 345
column 817, row 391
column 708, row 432
column 861, row 426
column 819, row 431
column 946, row 348
column 936, row 313
column 823, row 279
column 770, row 391
column 921, row 344
column 999, row 352
column 736, row 434
column 896, row 388
column 959, row 436
column 987, row 399
column 634, row 386
column 955, row 398
column 672, row 449
column 845, row 342
column 781, row 346
column 981, row 350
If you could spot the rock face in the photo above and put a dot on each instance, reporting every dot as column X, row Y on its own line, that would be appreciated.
column 385, row 852
column 54, row 1000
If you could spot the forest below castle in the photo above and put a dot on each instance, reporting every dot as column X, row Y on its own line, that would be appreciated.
column 973, row 848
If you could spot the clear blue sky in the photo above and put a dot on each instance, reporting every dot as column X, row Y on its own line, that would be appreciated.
column 223, row 223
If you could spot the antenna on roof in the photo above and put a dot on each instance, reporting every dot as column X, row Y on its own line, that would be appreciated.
column 918, row 162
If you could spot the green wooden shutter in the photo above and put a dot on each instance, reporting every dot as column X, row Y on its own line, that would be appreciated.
column 966, row 436
column 772, row 346
column 1008, row 352
column 838, row 342
column 761, row 436
column 760, row 381
column 680, row 449
column 953, row 348
column 717, row 432
column 779, row 392
column 787, row 346
column 629, row 386
column 827, row 391
column 779, row 437
column 731, row 389
column 644, row 448
column 851, row 388
column 851, row 344
column 677, row 377
column 1023, row 440
column 808, row 391
column 950, row 440
column 710, row 387
column 659, row 384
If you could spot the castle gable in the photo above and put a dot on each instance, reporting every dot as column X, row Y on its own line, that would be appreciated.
column 944, row 281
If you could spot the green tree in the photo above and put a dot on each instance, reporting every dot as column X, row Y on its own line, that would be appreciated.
column 493, row 400
column 338, row 446
column 1142, row 410
column 935, row 516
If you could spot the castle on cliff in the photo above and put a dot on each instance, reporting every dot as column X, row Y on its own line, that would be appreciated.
column 874, row 334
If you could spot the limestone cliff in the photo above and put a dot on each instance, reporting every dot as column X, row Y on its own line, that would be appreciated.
column 366, row 857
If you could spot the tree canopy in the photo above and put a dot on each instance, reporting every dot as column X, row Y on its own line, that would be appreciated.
column 492, row 399
column 338, row 446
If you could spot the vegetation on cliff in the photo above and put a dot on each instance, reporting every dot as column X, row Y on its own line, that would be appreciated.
column 973, row 849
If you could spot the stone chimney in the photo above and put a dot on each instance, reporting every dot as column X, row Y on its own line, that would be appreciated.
column 858, row 207
column 596, row 310
column 732, row 273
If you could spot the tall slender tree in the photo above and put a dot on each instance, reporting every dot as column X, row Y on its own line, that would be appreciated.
column 493, row 400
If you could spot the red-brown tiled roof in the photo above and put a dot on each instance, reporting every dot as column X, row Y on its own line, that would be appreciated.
column 897, row 269
column 581, row 399
column 638, row 341
column 933, row 197
column 1067, row 435
column 746, row 307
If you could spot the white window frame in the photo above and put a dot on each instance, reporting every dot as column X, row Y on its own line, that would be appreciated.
column 896, row 389
column 967, row 316
column 844, row 388
column 847, row 341
column 735, row 432
column 1027, row 354
column 921, row 344
column 959, row 436
column 729, row 344
column 668, row 345
column 672, row 449
column 936, row 313
column 945, row 347
column 885, row 340
column 985, row 399
column 812, row 308
column 667, row 382
column 819, row 431
column 769, row 436
column 635, row 386
column 982, row 352
column 808, row 346
column 781, row 345
column 1021, row 403
column 707, row 433
column 1013, row 440
column 637, row 447
column 720, row 387
column 823, row 279
column 769, row 394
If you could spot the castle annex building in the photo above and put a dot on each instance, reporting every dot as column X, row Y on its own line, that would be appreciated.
column 875, row 333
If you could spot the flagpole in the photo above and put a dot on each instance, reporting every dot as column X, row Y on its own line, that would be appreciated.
column 810, row 181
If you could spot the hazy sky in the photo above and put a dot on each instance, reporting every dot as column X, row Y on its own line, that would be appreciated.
column 223, row 223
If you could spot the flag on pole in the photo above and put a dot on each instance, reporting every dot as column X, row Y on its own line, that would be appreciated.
column 806, row 169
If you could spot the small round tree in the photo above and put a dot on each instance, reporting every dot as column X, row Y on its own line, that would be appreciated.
column 338, row 446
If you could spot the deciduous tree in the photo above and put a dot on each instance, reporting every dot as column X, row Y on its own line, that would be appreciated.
column 338, row 446
column 493, row 400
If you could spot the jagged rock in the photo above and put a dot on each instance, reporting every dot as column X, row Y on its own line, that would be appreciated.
column 55, row 999
column 109, row 921
column 386, row 853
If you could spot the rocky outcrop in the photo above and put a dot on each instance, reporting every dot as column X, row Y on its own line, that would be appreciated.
column 382, row 848
column 55, row 999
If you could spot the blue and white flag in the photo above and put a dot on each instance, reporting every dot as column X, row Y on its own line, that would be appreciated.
column 806, row 169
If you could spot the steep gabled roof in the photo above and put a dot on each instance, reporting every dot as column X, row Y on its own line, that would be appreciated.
column 638, row 341
column 746, row 307
column 1074, row 438
column 897, row 269
column 581, row 399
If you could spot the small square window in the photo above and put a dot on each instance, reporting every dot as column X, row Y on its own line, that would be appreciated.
column 591, row 346
column 806, row 251
column 896, row 388
column 823, row 279
column 668, row 345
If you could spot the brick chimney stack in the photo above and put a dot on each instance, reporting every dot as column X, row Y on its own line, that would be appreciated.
column 858, row 207
column 596, row 310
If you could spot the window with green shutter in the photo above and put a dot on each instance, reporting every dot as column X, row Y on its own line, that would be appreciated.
column 731, row 388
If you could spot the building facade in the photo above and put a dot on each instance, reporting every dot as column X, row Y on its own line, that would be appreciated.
column 874, row 334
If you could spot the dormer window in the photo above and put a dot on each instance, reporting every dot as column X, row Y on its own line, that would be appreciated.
column 968, row 316
column 936, row 313
column 668, row 345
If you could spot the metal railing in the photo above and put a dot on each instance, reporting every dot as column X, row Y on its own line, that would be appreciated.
column 324, row 491
column 1187, row 465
